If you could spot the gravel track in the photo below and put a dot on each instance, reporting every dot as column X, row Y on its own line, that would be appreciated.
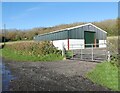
column 52, row 76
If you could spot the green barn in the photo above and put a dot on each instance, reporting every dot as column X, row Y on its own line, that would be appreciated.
column 83, row 36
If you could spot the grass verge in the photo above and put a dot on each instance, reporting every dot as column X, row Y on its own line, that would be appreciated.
column 13, row 55
column 106, row 75
column 69, row 54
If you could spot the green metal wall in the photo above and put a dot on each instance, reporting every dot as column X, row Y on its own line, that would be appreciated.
column 76, row 33
column 53, row 36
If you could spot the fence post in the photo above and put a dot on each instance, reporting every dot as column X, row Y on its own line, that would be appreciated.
column 72, row 50
column 81, row 51
column 108, row 56
column 106, row 52
column 63, row 49
column 92, row 52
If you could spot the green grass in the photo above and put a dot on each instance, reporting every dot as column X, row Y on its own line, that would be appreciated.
column 12, row 55
column 69, row 54
column 0, row 52
column 106, row 75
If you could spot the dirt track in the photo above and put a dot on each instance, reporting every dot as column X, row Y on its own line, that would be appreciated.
column 52, row 76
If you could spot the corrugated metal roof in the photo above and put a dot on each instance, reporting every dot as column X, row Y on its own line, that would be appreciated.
column 76, row 27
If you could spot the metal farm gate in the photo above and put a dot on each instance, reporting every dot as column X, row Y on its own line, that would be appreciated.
column 89, row 53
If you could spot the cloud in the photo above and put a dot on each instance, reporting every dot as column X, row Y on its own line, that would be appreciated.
column 25, row 13
column 19, row 16
column 32, row 9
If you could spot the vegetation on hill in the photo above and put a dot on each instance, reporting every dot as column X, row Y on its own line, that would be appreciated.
column 111, row 26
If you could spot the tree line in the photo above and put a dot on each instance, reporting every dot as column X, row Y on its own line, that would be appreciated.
column 111, row 26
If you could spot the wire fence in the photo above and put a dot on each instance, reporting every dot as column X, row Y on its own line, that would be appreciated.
column 89, row 52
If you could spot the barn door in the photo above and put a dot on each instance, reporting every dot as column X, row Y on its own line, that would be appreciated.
column 89, row 38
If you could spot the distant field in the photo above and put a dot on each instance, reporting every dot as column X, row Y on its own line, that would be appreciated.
column 12, row 42
column 112, row 37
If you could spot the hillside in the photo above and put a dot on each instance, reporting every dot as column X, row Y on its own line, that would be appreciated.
column 111, row 26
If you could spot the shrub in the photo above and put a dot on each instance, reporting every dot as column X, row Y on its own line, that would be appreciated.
column 114, row 60
column 68, row 54
column 33, row 48
column 48, row 48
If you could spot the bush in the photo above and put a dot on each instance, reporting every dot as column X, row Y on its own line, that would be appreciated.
column 68, row 54
column 114, row 60
column 33, row 48
column 48, row 48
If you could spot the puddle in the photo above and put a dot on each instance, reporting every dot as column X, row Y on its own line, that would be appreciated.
column 6, row 77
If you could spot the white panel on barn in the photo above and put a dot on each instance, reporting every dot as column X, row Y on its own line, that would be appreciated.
column 102, row 44
column 76, row 44
column 58, row 44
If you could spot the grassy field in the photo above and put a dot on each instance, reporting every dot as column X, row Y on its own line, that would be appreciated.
column 13, row 42
column 105, row 74
column 112, row 37
column 11, row 55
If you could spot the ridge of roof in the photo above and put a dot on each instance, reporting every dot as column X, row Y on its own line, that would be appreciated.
column 74, row 28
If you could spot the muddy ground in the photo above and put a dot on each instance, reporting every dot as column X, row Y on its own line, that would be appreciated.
column 52, row 76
